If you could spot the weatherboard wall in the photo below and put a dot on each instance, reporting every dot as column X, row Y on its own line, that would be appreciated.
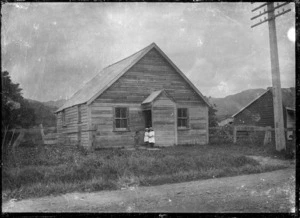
column 150, row 74
column 259, row 113
column 102, row 118
column 72, row 130
column 164, row 121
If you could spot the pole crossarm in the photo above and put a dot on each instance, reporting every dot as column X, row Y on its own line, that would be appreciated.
column 259, row 7
column 271, row 18
column 268, row 11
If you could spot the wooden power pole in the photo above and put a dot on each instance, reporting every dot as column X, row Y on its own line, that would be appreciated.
column 277, row 98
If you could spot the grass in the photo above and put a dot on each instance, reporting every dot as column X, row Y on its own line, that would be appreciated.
column 42, row 170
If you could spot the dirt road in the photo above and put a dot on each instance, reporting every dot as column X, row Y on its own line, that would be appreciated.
column 265, row 192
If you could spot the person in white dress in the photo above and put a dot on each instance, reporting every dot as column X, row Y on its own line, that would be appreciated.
column 146, row 137
column 151, row 137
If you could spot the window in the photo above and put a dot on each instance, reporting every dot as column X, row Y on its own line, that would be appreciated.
column 121, row 118
column 63, row 117
column 79, row 113
column 182, row 121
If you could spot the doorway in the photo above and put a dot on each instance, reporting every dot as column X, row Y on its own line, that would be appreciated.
column 148, row 118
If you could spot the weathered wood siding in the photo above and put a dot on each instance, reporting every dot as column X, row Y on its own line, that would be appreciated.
column 164, row 121
column 197, row 132
column 150, row 74
column 68, row 133
column 259, row 113
column 102, row 120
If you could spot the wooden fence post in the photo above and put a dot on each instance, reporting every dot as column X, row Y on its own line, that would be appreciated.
column 16, row 144
column 234, row 134
column 267, row 138
column 42, row 133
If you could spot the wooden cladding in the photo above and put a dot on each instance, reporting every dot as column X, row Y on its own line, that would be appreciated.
column 150, row 74
column 79, row 113
column 63, row 117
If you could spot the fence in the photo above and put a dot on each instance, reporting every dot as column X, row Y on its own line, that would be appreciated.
column 37, row 135
column 221, row 134
column 267, row 133
column 252, row 134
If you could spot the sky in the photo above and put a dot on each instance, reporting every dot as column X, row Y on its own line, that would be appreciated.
column 52, row 49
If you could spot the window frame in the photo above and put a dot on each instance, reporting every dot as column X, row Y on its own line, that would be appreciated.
column 123, row 129
column 186, row 118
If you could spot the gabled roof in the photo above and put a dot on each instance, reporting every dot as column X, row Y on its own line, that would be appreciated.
column 96, row 86
column 269, row 90
column 251, row 103
column 154, row 95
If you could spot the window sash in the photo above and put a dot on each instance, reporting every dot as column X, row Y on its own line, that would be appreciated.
column 121, row 121
column 121, row 113
column 182, row 118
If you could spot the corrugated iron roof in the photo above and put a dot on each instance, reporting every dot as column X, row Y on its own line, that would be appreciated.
column 92, row 89
column 101, row 80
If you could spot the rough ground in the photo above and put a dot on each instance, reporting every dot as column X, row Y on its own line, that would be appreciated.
column 265, row 192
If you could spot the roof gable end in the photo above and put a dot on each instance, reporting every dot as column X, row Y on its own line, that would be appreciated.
column 109, row 75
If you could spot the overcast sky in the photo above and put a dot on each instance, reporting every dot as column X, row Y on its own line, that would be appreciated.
column 52, row 49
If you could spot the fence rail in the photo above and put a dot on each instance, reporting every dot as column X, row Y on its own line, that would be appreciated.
column 231, row 134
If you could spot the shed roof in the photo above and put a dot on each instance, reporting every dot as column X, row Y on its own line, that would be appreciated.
column 97, row 85
column 251, row 102
column 268, row 90
column 154, row 95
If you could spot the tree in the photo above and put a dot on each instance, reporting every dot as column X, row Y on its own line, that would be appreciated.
column 16, row 111
column 212, row 114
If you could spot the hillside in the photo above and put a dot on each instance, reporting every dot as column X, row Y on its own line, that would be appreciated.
column 44, row 111
column 231, row 104
column 57, row 104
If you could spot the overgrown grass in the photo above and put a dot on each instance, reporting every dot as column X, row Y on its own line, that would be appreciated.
column 43, row 170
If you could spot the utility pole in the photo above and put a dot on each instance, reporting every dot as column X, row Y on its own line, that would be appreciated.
column 277, row 98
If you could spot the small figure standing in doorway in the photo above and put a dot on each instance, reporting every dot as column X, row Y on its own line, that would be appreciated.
column 151, row 137
column 146, row 137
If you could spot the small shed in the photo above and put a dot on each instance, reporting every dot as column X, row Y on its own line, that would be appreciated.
column 145, row 89
column 260, row 112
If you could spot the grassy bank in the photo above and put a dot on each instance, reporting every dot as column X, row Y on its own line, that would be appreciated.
column 42, row 170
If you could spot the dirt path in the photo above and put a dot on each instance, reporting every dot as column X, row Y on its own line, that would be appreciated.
column 265, row 192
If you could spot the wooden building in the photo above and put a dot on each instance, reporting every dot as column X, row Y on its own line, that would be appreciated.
column 142, row 90
column 260, row 112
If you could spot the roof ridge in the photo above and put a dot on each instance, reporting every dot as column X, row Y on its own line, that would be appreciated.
column 251, row 102
column 129, row 56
